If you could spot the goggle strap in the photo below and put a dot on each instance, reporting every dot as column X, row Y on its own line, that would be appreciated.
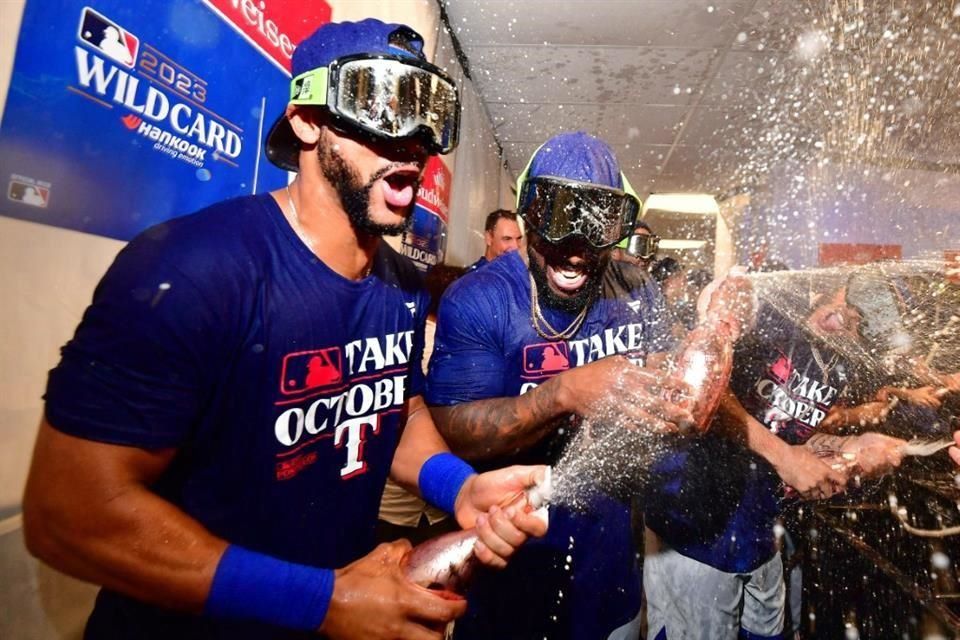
column 310, row 87
column 523, row 175
column 628, row 188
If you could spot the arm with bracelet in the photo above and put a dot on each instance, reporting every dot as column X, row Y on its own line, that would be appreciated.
column 89, row 511
column 218, row 432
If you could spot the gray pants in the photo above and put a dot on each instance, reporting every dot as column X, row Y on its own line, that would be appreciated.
column 692, row 600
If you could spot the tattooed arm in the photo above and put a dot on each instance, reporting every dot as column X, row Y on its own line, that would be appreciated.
column 468, row 385
column 822, row 443
column 612, row 388
column 490, row 428
column 869, row 454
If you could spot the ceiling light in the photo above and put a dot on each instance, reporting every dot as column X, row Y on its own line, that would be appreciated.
column 698, row 203
column 677, row 244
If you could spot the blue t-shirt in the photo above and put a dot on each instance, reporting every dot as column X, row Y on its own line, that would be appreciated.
column 717, row 503
column 479, row 263
column 280, row 383
column 580, row 580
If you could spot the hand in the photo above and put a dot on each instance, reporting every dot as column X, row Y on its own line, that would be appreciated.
column 951, row 382
column 615, row 387
column 874, row 453
column 929, row 396
column 373, row 599
column 488, row 502
column 869, row 413
column 730, row 300
column 954, row 451
column 809, row 475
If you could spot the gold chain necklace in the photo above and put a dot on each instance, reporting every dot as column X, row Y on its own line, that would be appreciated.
column 825, row 367
column 295, row 221
column 537, row 319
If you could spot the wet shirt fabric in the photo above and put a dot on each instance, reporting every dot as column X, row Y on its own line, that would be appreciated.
column 280, row 383
column 713, row 500
column 481, row 261
column 580, row 580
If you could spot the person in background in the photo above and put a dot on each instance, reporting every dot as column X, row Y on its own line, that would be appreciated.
column 712, row 568
column 670, row 275
column 640, row 248
column 501, row 234
column 218, row 432
column 523, row 349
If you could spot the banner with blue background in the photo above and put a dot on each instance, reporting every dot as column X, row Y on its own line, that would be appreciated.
column 124, row 114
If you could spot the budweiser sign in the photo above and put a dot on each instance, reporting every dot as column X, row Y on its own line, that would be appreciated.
column 274, row 26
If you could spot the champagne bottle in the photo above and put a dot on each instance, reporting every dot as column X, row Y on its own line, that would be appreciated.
column 704, row 363
column 704, row 360
column 447, row 563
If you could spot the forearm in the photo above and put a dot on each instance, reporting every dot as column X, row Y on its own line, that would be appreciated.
column 821, row 443
column 486, row 429
column 164, row 559
column 739, row 426
column 854, row 417
column 420, row 440
column 83, row 516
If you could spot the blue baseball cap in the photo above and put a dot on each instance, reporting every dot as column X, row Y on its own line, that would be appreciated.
column 577, row 156
column 329, row 42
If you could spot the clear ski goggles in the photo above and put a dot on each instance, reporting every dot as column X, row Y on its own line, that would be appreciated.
column 641, row 246
column 390, row 97
column 556, row 208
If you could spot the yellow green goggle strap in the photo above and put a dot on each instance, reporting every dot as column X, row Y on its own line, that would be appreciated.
column 310, row 87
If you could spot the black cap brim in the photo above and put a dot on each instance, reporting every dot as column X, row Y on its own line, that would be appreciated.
column 283, row 146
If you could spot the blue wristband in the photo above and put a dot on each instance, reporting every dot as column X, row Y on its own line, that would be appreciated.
column 441, row 478
column 254, row 586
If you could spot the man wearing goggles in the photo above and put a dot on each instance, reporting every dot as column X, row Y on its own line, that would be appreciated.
column 213, row 452
column 521, row 352
column 640, row 248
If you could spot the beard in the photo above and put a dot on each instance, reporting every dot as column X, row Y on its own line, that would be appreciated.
column 568, row 304
column 354, row 194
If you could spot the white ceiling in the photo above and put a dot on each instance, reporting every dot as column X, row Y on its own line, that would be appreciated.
column 687, row 90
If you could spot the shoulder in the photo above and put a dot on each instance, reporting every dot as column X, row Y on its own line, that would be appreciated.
column 479, row 263
column 493, row 284
column 224, row 235
column 774, row 326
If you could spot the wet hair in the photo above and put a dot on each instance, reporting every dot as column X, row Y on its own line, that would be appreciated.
column 642, row 225
column 699, row 278
column 495, row 216
column 664, row 268
column 772, row 266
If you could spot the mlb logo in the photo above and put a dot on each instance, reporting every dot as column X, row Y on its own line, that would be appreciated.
column 108, row 37
column 781, row 369
column 546, row 357
column 308, row 370
column 31, row 194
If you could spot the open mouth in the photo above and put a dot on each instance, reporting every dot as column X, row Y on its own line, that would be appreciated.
column 834, row 321
column 399, row 186
column 568, row 278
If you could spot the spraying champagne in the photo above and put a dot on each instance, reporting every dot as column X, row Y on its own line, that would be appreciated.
column 704, row 362
column 447, row 563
